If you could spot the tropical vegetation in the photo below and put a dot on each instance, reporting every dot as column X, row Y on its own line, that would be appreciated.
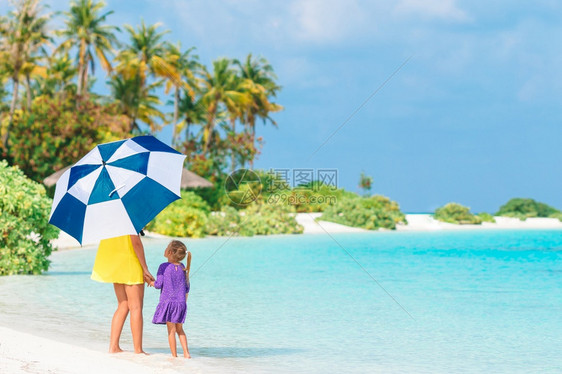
column 25, row 233
column 365, row 183
column 457, row 214
column 527, row 208
column 486, row 217
column 371, row 213
column 47, row 72
column 192, row 217
column 53, row 67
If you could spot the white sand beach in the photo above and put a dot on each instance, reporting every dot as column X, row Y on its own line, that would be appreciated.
column 426, row 222
column 312, row 225
column 25, row 353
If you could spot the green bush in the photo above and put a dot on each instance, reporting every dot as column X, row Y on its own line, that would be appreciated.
column 257, row 219
column 308, row 198
column 269, row 219
column 457, row 214
column 486, row 217
column 25, row 232
column 526, row 208
column 317, row 197
column 225, row 222
column 556, row 215
column 186, row 217
column 213, row 196
column 370, row 213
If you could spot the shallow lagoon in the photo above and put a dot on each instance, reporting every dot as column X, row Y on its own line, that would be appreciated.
column 475, row 301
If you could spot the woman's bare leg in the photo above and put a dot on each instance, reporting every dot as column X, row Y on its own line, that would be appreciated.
column 119, row 318
column 172, row 337
column 183, row 340
column 135, row 295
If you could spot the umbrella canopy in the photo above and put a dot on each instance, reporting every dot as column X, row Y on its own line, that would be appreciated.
column 188, row 179
column 116, row 189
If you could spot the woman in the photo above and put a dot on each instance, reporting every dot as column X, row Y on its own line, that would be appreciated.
column 121, row 261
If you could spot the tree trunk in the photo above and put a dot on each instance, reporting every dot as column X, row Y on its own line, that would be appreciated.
column 85, row 80
column 12, row 110
column 233, row 159
column 187, row 124
column 29, row 93
column 253, row 133
column 82, row 63
column 79, row 83
column 132, row 125
column 209, row 131
column 176, row 110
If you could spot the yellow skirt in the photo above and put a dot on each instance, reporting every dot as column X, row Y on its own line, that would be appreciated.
column 117, row 262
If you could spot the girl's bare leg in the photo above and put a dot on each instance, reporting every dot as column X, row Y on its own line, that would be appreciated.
column 172, row 337
column 183, row 340
column 135, row 295
column 119, row 318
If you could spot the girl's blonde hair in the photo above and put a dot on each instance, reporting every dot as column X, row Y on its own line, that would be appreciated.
column 188, row 266
column 178, row 250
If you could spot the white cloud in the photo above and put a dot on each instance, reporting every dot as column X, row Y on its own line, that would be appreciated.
column 442, row 9
column 326, row 21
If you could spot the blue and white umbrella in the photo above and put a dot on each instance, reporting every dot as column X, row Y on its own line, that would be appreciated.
column 116, row 189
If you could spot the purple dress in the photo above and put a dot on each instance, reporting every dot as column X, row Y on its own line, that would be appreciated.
column 172, row 306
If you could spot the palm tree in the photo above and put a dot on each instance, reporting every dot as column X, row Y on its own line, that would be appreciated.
column 135, row 101
column 58, row 78
column 146, row 55
column 186, row 65
column 86, row 29
column 259, row 81
column 221, row 90
column 192, row 111
column 30, row 69
column 22, row 33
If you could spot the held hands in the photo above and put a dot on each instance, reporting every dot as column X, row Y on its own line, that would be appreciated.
column 148, row 278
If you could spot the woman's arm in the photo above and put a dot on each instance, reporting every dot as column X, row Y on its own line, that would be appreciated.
column 139, row 251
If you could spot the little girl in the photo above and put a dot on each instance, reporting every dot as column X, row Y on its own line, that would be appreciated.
column 173, row 280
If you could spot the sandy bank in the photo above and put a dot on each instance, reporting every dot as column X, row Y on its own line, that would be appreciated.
column 426, row 222
column 24, row 353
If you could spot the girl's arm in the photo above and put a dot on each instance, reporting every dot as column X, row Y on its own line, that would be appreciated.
column 139, row 251
column 160, row 276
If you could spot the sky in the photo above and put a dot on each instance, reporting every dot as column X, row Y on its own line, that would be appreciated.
column 465, row 96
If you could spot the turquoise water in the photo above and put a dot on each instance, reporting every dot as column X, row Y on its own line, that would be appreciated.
column 463, row 302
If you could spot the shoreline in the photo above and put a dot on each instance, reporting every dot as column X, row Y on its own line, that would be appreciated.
column 426, row 222
column 420, row 222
